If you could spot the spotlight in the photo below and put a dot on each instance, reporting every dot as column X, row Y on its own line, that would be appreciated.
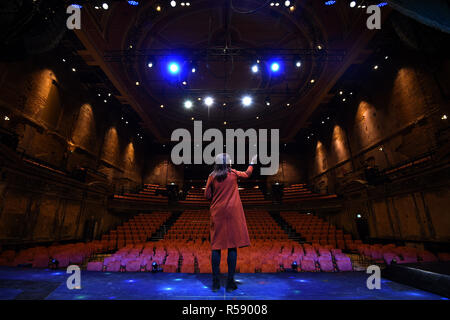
column 188, row 104
column 158, row 8
column 247, row 101
column 150, row 64
column 137, row 83
column 287, row 3
column 74, row 70
column 209, row 101
column 359, row 216
column 313, row 81
column 275, row 67
column 173, row 4
column 105, row 6
column 444, row 117
column 352, row 4
column 267, row 101
column 341, row 93
column 272, row 4
column 6, row 118
column 174, row 67
column 194, row 66
column 298, row 63
column 255, row 68
column 375, row 67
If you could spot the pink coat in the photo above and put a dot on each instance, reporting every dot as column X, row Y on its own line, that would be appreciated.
column 228, row 225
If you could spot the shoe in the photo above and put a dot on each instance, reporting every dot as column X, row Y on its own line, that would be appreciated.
column 231, row 286
column 215, row 285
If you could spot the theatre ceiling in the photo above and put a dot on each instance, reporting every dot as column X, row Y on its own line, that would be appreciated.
column 222, row 40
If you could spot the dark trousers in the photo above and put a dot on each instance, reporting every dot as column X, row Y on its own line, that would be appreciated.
column 231, row 260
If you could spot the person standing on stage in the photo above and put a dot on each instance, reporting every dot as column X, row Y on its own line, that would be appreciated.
column 228, row 227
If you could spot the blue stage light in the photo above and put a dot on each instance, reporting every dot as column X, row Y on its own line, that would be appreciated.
column 275, row 67
column 329, row 3
column 174, row 67
column 382, row 4
column 133, row 3
column 76, row 5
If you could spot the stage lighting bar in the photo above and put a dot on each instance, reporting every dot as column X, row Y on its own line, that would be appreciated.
column 217, row 54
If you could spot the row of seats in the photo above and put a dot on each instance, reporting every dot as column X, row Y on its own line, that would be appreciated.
column 195, row 256
column 137, row 230
column 315, row 229
column 248, row 196
column 401, row 254
column 186, row 248
column 151, row 193
column 41, row 257
column 299, row 192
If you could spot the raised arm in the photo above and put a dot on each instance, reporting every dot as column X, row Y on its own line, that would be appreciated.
column 246, row 174
column 208, row 189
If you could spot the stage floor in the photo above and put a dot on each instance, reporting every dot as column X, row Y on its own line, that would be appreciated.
column 26, row 283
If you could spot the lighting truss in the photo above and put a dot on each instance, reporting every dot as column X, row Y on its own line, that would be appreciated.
column 223, row 54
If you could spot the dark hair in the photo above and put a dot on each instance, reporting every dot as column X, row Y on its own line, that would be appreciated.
column 222, row 167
